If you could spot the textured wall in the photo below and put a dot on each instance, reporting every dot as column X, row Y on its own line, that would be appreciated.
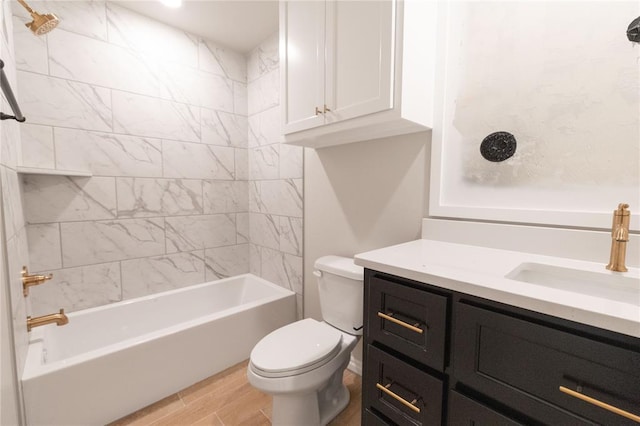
column 159, row 117
column 569, row 96
column 275, row 178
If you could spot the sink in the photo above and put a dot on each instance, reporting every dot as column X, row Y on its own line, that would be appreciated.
column 608, row 285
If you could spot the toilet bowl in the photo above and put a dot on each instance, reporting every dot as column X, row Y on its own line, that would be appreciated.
column 301, row 364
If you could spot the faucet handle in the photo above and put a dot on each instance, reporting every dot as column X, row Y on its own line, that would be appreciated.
column 621, row 234
column 623, row 210
column 29, row 280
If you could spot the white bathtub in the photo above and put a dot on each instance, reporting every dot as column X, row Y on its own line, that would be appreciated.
column 113, row 360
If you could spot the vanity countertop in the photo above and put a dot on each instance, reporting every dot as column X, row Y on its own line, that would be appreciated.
column 481, row 272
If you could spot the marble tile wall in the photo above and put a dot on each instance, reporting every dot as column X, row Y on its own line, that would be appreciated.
column 14, row 230
column 275, row 178
column 159, row 117
column 190, row 180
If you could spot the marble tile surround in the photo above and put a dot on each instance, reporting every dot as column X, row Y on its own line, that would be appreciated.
column 190, row 180
column 275, row 178
column 14, row 231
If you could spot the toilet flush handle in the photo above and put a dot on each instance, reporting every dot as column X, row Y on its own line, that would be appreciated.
column 317, row 273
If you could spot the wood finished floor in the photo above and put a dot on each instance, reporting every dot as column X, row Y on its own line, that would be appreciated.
column 227, row 399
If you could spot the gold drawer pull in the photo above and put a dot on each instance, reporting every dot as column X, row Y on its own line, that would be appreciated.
column 402, row 323
column 397, row 397
column 600, row 404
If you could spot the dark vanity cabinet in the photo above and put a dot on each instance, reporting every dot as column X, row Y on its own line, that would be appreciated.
column 437, row 357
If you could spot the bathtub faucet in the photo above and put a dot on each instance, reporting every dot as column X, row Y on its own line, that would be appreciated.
column 619, row 238
column 29, row 280
column 59, row 318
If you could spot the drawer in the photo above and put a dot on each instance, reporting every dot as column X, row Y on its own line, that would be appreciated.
column 547, row 374
column 409, row 320
column 466, row 411
column 371, row 419
column 401, row 392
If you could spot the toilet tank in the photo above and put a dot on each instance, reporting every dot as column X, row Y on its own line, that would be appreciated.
column 340, row 285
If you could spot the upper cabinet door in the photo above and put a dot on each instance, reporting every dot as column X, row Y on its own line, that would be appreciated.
column 356, row 70
column 302, row 52
column 359, row 59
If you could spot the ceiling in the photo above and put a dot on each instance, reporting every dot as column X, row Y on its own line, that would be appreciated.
column 238, row 24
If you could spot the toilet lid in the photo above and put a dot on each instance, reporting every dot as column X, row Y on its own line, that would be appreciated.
column 296, row 346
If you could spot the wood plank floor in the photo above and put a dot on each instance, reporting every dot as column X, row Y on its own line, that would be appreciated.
column 227, row 399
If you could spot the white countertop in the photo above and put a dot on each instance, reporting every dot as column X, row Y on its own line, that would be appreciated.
column 481, row 271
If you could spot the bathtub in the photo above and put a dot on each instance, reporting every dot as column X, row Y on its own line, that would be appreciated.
column 115, row 359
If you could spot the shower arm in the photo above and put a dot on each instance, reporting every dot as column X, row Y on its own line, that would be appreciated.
column 26, row 6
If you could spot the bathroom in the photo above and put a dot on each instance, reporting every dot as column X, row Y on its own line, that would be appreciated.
column 193, row 163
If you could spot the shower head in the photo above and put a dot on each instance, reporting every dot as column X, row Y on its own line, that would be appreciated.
column 41, row 24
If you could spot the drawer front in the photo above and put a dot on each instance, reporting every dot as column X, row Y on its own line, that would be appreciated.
column 466, row 411
column 548, row 374
column 371, row 419
column 408, row 320
column 401, row 392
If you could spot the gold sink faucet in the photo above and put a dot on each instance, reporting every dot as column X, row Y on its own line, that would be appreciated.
column 29, row 280
column 619, row 238
column 59, row 318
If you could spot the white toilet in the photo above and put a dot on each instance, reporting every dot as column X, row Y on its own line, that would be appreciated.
column 301, row 364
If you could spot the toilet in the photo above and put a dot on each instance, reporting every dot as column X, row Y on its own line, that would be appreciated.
column 301, row 364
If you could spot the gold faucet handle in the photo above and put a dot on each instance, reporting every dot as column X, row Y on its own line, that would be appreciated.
column 29, row 280
column 621, row 235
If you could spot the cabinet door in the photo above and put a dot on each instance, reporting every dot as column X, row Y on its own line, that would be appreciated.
column 302, row 52
column 466, row 411
column 547, row 374
column 360, row 45
column 406, row 319
column 401, row 392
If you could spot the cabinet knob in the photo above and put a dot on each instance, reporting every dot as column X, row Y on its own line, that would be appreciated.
column 325, row 109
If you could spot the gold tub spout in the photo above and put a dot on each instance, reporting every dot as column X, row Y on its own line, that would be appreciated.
column 59, row 318
column 619, row 238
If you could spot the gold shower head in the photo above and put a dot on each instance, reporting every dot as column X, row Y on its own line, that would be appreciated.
column 41, row 24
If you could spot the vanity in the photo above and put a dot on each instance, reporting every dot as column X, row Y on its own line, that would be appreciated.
column 458, row 334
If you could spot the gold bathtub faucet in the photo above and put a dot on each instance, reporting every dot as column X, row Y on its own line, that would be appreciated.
column 59, row 319
column 31, row 280
column 619, row 238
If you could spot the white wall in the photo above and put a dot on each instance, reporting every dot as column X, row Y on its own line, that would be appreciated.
column 359, row 197
column 569, row 96
column 362, row 196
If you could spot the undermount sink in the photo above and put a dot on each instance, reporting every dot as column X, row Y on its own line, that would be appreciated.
column 608, row 285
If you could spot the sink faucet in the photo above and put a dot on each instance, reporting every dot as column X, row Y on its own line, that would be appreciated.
column 619, row 238
column 59, row 318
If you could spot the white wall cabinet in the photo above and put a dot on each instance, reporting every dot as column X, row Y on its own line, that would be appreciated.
column 355, row 70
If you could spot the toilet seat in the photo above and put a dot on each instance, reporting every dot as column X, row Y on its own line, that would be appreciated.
column 295, row 349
